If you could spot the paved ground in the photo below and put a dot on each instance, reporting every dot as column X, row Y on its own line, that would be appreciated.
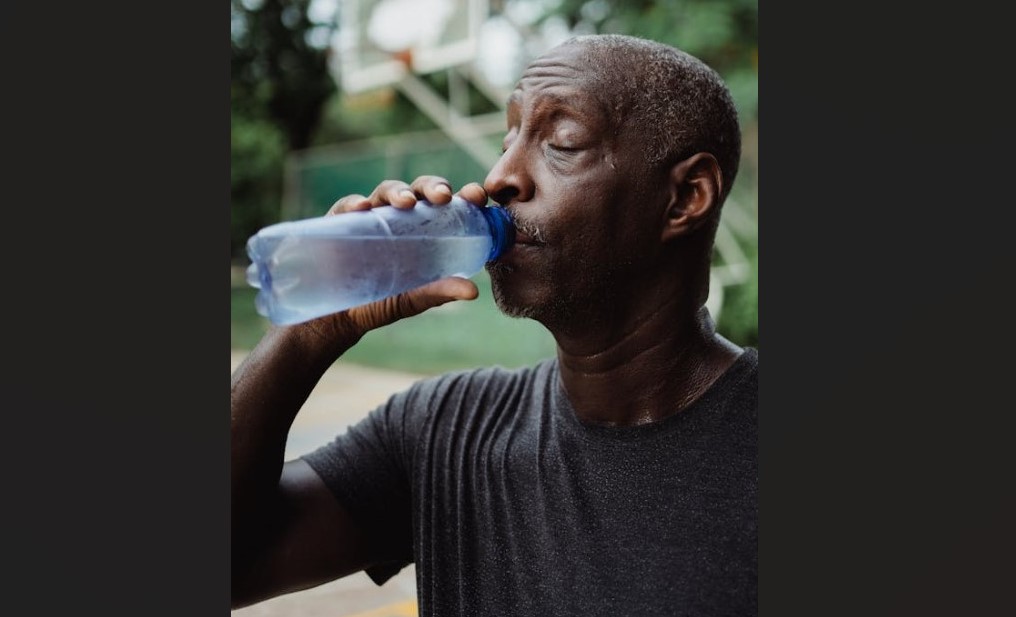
column 344, row 395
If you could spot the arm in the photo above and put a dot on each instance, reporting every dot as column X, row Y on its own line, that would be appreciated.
column 288, row 531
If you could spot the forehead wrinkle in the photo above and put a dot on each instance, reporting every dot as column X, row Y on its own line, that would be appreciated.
column 549, row 72
column 558, row 100
column 557, row 87
column 541, row 80
column 551, row 66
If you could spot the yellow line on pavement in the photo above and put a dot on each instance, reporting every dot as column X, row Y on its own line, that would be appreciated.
column 399, row 609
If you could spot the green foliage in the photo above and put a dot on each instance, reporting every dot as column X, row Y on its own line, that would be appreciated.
column 739, row 318
column 277, row 69
column 279, row 80
column 257, row 150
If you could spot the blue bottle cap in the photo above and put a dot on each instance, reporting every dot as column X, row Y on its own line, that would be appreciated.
column 502, row 230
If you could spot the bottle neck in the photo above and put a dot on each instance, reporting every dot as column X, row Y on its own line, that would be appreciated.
column 502, row 230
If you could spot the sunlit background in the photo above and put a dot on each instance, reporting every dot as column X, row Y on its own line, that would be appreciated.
column 329, row 97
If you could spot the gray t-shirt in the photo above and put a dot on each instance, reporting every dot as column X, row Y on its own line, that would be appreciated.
column 508, row 504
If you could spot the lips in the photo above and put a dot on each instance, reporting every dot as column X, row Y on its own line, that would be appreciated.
column 524, row 245
column 522, row 237
column 526, row 235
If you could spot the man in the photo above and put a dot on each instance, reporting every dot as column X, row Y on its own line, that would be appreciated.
column 619, row 478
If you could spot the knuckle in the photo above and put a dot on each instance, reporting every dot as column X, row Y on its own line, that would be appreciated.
column 404, row 305
column 391, row 185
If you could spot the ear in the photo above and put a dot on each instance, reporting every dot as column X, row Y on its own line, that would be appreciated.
column 695, row 185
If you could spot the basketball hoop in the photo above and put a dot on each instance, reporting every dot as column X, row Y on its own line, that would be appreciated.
column 382, row 41
column 405, row 57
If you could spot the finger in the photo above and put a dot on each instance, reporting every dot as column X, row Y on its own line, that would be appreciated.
column 442, row 291
column 394, row 192
column 414, row 302
column 434, row 189
column 348, row 204
column 474, row 193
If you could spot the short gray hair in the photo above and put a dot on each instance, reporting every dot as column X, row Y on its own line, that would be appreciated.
column 681, row 105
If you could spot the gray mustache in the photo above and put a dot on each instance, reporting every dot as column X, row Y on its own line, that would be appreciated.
column 527, row 228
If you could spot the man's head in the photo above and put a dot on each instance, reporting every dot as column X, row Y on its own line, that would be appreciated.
column 618, row 157
column 671, row 102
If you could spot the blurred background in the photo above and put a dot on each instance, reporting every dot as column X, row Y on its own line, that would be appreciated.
column 329, row 97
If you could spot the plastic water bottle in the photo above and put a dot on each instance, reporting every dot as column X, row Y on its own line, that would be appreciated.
column 313, row 267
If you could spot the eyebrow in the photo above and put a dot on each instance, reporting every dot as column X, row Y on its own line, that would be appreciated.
column 566, row 104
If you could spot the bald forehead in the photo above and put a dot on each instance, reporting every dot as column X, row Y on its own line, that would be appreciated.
column 564, row 62
column 574, row 64
column 563, row 77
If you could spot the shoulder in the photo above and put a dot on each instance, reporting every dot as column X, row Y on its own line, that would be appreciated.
column 460, row 398
column 487, row 382
column 444, row 410
column 737, row 387
column 745, row 382
column 750, row 358
column 484, row 376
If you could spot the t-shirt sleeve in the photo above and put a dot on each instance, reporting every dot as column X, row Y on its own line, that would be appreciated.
column 368, row 469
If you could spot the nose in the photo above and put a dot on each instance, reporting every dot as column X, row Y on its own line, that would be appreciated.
column 509, row 180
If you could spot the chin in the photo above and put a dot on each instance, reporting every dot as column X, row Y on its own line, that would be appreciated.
column 516, row 309
column 519, row 299
column 509, row 293
column 508, row 302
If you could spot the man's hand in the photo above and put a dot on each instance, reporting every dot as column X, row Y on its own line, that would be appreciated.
column 350, row 325
column 434, row 189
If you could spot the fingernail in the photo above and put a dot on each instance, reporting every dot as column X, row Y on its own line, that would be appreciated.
column 444, row 188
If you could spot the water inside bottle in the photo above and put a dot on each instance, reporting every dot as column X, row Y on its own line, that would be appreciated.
column 311, row 276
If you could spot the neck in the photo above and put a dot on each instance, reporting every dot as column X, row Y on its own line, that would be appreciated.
column 653, row 369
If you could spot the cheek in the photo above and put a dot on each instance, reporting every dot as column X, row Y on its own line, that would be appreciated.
column 586, row 209
column 590, row 244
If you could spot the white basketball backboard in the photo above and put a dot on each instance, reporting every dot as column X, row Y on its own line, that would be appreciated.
column 380, row 41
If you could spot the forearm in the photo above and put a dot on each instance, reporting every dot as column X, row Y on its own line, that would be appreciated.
column 274, row 381
column 267, row 391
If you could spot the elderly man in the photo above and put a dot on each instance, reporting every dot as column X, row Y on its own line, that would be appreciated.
column 617, row 478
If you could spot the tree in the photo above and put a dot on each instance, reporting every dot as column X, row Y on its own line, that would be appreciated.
column 279, row 83
column 279, row 65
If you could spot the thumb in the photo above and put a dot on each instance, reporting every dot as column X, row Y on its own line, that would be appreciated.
column 413, row 302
